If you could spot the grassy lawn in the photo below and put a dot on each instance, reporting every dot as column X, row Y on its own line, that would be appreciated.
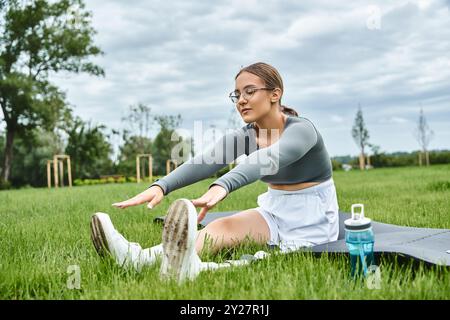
column 43, row 232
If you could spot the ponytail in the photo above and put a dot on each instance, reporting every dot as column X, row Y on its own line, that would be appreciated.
column 288, row 111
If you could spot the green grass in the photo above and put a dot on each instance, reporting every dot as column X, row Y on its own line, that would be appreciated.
column 45, row 231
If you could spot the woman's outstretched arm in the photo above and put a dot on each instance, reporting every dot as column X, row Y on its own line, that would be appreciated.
column 204, row 165
column 196, row 169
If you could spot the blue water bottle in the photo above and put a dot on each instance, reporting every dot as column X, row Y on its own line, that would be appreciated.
column 359, row 239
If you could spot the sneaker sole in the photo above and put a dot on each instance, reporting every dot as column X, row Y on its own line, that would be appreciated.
column 98, row 237
column 179, row 229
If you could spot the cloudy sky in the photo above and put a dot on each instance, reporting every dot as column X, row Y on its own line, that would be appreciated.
column 391, row 57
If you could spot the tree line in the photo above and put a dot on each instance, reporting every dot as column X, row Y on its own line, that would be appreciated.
column 392, row 159
column 39, row 38
column 90, row 147
column 422, row 133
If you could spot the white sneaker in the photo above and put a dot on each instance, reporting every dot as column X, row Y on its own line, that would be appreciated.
column 180, row 260
column 107, row 240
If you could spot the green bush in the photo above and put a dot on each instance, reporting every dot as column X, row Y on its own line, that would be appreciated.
column 4, row 185
column 337, row 165
column 86, row 182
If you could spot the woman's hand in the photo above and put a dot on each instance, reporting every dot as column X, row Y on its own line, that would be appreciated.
column 152, row 195
column 209, row 200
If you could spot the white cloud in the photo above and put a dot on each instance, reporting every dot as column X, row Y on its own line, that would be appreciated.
column 395, row 120
column 182, row 56
column 336, row 119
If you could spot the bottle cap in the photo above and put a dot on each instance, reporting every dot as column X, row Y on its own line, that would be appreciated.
column 357, row 221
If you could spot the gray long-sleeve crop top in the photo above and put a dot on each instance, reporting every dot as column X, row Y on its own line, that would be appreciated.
column 298, row 156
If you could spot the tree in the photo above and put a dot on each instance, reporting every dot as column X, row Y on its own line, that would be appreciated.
column 375, row 151
column 34, row 150
column 423, row 135
column 89, row 150
column 163, row 144
column 132, row 146
column 135, row 138
column 139, row 123
column 361, row 136
column 39, row 37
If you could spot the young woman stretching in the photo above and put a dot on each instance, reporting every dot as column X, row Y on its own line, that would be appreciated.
column 284, row 150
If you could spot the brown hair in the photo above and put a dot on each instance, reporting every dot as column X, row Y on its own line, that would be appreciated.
column 271, row 78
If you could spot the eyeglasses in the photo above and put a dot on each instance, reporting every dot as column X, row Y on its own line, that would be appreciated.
column 248, row 93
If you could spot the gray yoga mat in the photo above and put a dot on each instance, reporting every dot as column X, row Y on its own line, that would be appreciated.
column 425, row 244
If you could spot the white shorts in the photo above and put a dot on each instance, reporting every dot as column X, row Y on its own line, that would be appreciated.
column 301, row 218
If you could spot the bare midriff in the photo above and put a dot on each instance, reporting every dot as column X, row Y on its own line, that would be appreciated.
column 288, row 187
column 292, row 187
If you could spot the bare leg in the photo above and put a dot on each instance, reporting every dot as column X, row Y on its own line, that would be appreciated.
column 230, row 231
